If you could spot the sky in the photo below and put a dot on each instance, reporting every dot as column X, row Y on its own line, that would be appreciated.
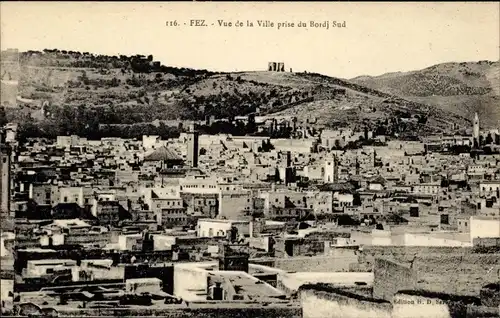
column 378, row 37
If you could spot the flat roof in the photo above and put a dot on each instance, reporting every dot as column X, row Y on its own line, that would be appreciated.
column 223, row 221
column 36, row 250
column 485, row 218
column 50, row 261
column 144, row 280
column 295, row 280
column 249, row 286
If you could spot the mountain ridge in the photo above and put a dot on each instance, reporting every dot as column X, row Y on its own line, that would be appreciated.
column 458, row 87
column 130, row 89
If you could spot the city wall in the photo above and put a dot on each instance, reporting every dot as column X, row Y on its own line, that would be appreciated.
column 374, row 250
column 321, row 300
column 416, row 304
column 490, row 295
column 221, row 311
column 457, row 274
column 486, row 241
column 463, row 275
column 324, row 301
column 390, row 277
column 315, row 263
column 481, row 312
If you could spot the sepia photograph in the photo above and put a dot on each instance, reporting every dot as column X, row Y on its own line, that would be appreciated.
column 250, row 159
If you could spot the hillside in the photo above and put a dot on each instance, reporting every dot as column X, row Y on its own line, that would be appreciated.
column 461, row 88
column 56, row 87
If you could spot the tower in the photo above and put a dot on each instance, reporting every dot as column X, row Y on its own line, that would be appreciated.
column 233, row 255
column 331, row 170
column 475, row 131
column 288, row 158
column 5, row 153
column 193, row 147
column 290, row 172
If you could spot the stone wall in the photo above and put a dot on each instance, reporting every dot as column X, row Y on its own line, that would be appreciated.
column 417, row 303
column 276, row 66
column 321, row 300
column 6, row 287
column 390, row 277
column 316, row 263
column 436, row 266
column 202, row 243
column 409, row 251
column 188, row 280
column 324, row 301
column 9, row 92
column 80, row 254
column 220, row 311
column 33, row 285
column 481, row 312
column 490, row 295
column 486, row 241
column 458, row 274
column 165, row 273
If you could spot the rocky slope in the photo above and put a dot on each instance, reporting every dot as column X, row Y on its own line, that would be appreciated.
column 125, row 90
column 461, row 88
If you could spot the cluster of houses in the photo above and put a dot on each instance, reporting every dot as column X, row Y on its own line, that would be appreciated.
column 182, row 198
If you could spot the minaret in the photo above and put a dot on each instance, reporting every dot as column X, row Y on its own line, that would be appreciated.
column 5, row 153
column 331, row 168
column 290, row 175
column 193, row 147
column 475, row 131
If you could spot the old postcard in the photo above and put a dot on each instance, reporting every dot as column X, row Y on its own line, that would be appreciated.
column 250, row 159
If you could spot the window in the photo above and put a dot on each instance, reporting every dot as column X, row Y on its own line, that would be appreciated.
column 444, row 219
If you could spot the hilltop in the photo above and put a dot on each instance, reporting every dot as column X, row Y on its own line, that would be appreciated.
column 461, row 88
column 57, row 86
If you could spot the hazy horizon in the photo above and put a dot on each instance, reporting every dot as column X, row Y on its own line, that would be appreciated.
column 380, row 38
